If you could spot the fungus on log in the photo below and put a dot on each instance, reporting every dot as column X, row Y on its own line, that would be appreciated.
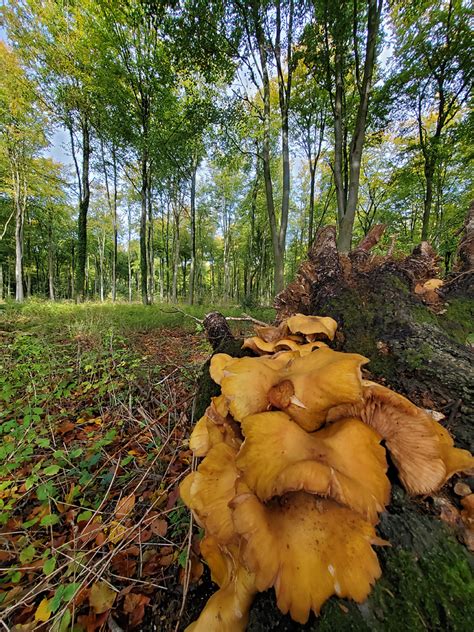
column 294, row 476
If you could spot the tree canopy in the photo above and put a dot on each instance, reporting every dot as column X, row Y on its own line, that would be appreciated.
column 209, row 142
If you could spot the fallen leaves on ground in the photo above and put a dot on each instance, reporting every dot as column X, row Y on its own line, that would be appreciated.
column 92, row 525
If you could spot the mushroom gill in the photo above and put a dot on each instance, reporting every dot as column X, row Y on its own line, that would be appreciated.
column 421, row 449
column 307, row 548
column 344, row 461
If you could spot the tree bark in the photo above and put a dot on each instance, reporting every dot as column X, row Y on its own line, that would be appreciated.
column 84, row 198
column 192, row 271
column 358, row 138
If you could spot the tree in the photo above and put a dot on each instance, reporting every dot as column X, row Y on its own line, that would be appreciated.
column 434, row 51
column 22, row 137
column 54, row 41
column 334, row 45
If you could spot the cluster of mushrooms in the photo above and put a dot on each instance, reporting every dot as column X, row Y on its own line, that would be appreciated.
column 294, row 474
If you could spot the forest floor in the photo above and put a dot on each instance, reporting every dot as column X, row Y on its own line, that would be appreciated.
column 95, row 415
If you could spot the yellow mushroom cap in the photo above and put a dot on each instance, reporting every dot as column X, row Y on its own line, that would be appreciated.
column 219, row 362
column 304, row 387
column 208, row 491
column 318, row 382
column 308, row 325
column 258, row 345
column 271, row 334
column 344, row 461
column 228, row 608
column 421, row 449
column 308, row 549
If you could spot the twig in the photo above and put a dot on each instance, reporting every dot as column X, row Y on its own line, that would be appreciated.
column 177, row 310
column 187, row 574
column 248, row 318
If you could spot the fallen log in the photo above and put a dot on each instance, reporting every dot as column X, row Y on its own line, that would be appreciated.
column 423, row 352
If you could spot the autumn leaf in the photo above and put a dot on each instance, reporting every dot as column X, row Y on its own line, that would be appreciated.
column 43, row 612
column 159, row 526
column 101, row 597
column 134, row 605
column 125, row 506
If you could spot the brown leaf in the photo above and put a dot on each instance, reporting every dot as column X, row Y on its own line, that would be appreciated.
column 101, row 597
column 134, row 605
column 159, row 526
column 124, row 506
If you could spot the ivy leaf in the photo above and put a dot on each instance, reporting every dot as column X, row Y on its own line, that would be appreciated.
column 49, row 520
column 51, row 470
column 49, row 565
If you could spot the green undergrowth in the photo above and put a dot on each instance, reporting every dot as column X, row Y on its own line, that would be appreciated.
column 50, row 316
column 94, row 414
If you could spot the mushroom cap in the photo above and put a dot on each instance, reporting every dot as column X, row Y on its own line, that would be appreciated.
column 421, row 449
column 309, row 325
column 229, row 607
column 304, row 387
column 208, row 491
column 344, row 461
column 272, row 334
column 307, row 548
column 215, row 426
column 319, row 381
column 258, row 345
column 219, row 361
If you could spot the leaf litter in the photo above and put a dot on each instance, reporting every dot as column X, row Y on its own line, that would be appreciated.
column 94, row 444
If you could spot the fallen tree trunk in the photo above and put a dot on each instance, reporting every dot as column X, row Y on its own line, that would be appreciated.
column 417, row 343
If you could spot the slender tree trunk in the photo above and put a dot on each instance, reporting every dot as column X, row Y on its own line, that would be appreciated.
column 50, row 260
column 358, row 138
column 129, row 256
column 428, row 201
column 338, row 136
column 83, row 211
column 192, row 271
column 143, row 230
column 150, row 250
column 1, row 282
column 19, row 229
column 101, row 266
column 174, row 292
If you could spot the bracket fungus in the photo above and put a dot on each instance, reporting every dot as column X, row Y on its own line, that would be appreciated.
column 294, row 474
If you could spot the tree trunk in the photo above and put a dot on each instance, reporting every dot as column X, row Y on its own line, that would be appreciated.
column 19, row 227
column 50, row 261
column 83, row 211
column 347, row 221
column 143, row 229
column 192, row 271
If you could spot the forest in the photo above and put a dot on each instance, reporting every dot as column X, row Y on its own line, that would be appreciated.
column 236, row 316
column 204, row 144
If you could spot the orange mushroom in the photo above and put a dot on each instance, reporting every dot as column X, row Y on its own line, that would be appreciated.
column 307, row 548
column 304, row 387
column 344, row 461
column 227, row 610
column 208, row 491
column 421, row 448
column 311, row 326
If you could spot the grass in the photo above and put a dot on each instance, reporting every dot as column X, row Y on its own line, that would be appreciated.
column 95, row 404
